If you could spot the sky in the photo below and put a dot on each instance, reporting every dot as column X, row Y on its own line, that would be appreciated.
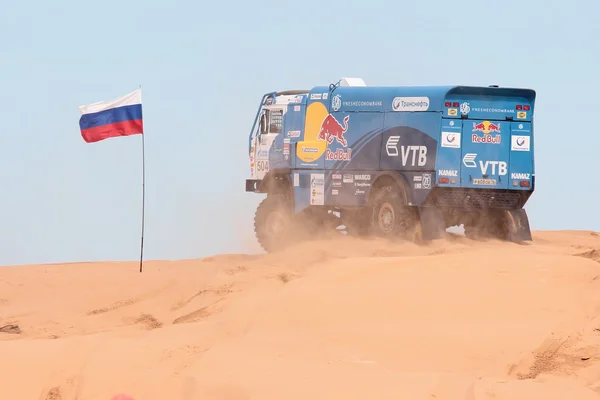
column 203, row 67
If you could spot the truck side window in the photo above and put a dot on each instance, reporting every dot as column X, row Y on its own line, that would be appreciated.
column 276, row 121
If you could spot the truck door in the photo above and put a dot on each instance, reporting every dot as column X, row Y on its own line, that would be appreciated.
column 270, row 127
column 485, row 154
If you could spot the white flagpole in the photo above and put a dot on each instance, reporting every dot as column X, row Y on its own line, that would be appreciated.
column 143, row 196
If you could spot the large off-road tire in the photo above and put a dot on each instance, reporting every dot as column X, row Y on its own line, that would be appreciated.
column 273, row 223
column 391, row 216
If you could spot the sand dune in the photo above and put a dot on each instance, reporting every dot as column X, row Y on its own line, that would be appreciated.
column 347, row 319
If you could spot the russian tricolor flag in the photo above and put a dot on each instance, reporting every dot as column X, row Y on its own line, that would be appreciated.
column 112, row 118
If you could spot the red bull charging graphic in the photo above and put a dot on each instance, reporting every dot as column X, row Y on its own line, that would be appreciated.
column 490, row 130
column 331, row 130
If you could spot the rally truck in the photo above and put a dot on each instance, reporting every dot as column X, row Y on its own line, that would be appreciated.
column 392, row 161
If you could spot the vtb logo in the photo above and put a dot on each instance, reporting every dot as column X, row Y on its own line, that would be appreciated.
column 500, row 167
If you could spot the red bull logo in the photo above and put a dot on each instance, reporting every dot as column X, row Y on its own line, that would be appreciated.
column 331, row 129
column 338, row 155
column 487, row 128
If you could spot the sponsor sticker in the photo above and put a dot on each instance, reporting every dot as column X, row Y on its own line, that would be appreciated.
column 336, row 102
column 520, row 143
column 410, row 104
column 465, row 108
column 490, row 130
column 451, row 139
column 363, row 103
column 317, row 189
column 338, row 155
column 448, row 172
column 412, row 155
column 426, row 181
column 469, row 160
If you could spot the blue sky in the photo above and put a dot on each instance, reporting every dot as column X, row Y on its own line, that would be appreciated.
column 203, row 67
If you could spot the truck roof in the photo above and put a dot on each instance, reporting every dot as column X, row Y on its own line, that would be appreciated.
column 432, row 98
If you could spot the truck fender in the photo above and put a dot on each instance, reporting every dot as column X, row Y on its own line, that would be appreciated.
column 518, row 225
column 384, row 178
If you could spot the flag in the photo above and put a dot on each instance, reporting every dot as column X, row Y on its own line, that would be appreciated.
column 112, row 118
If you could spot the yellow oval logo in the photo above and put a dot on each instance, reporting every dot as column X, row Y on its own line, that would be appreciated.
column 311, row 148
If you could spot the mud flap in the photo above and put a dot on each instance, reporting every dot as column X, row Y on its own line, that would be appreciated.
column 432, row 223
column 518, row 225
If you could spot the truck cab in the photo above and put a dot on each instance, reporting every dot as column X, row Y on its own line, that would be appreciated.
column 268, row 125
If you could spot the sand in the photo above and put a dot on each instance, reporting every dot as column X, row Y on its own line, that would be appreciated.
column 347, row 319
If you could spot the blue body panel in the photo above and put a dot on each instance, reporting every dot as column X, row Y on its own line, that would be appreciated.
column 449, row 153
column 522, row 163
column 338, row 142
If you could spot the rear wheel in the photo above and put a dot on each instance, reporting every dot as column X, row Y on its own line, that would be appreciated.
column 391, row 216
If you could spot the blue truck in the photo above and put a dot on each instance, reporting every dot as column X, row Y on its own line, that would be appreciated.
column 392, row 161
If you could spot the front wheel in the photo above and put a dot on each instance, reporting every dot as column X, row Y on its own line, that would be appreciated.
column 392, row 217
column 273, row 222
